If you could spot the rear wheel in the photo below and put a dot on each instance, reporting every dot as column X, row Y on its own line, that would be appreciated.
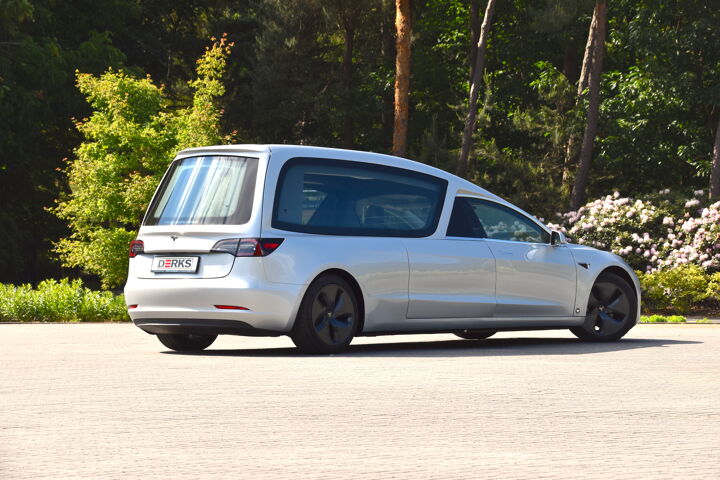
column 186, row 342
column 611, row 310
column 328, row 317
column 476, row 334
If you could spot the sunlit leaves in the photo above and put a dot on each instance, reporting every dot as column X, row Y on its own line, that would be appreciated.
column 129, row 141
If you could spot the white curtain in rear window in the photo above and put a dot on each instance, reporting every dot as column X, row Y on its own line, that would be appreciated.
column 206, row 190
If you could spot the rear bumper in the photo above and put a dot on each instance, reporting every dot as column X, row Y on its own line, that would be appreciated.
column 189, row 305
column 202, row 327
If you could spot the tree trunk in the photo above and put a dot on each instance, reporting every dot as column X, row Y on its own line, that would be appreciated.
column 590, row 46
column 475, row 89
column 347, row 79
column 715, row 171
column 592, row 71
column 474, row 35
column 570, row 157
column 402, row 76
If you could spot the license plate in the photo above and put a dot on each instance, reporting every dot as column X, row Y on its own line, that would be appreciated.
column 175, row 264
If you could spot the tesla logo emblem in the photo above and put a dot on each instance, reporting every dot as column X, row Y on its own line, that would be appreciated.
column 174, row 237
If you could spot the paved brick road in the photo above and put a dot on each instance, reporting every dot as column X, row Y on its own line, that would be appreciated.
column 105, row 401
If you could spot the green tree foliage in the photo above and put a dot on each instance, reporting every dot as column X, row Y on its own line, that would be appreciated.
column 530, row 174
column 291, row 98
column 660, row 94
column 42, row 42
column 128, row 142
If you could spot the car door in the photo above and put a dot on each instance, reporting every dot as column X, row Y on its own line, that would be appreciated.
column 532, row 277
column 452, row 277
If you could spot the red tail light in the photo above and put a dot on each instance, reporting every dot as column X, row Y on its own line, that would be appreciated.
column 130, row 307
column 230, row 307
column 136, row 246
column 247, row 247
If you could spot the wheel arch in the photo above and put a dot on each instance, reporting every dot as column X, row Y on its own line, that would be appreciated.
column 589, row 330
column 632, row 280
column 622, row 273
column 345, row 275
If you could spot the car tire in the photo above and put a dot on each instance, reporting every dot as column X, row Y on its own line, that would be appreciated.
column 328, row 317
column 611, row 310
column 476, row 334
column 186, row 342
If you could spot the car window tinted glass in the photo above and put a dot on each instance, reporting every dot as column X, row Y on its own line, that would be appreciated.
column 502, row 223
column 464, row 221
column 351, row 198
column 475, row 218
column 205, row 190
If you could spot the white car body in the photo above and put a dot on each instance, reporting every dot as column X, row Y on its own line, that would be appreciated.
column 435, row 283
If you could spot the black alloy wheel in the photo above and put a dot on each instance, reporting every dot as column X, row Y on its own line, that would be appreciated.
column 328, row 316
column 186, row 342
column 611, row 310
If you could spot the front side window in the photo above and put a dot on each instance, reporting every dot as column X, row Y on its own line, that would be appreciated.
column 214, row 190
column 476, row 218
column 335, row 197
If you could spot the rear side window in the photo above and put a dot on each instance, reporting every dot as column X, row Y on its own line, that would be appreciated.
column 338, row 197
column 213, row 190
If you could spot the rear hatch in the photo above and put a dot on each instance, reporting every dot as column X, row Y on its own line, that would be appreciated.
column 166, row 245
column 201, row 202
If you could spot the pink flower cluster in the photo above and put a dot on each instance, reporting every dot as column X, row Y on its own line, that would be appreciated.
column 628, row 227
column 696, row 241
column 651, row 233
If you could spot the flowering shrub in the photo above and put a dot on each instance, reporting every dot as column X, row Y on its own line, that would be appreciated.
column 635, row 229
column 653, row 233
column 696, row 240
column 673, row 242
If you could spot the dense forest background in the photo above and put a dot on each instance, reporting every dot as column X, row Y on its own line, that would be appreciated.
column 322, row 72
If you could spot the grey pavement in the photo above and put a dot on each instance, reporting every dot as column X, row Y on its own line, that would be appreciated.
column 107, row 401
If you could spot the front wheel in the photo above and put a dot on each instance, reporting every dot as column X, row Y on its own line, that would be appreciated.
column 328, row 317
column 186, row 342
column 611, row 310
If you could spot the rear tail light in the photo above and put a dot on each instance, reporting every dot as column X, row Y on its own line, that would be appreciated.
column 136, row 246
column 247, row 247
column 130, row 307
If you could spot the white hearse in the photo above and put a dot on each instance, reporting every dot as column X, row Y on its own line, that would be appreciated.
column 325, row 244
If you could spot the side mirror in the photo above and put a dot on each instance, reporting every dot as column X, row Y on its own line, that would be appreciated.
column 557, row 238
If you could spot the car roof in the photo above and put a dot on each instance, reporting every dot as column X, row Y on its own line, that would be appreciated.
column 460, row 184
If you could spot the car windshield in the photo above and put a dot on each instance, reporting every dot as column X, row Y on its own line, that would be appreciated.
column 213, row 190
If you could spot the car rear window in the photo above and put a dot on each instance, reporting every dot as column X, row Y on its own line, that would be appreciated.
column 213, row 190
column 339, row 197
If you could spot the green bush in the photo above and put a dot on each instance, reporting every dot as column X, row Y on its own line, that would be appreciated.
column 662, row 319
column 677, row 288
column 62, row 301
column 713, row 288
